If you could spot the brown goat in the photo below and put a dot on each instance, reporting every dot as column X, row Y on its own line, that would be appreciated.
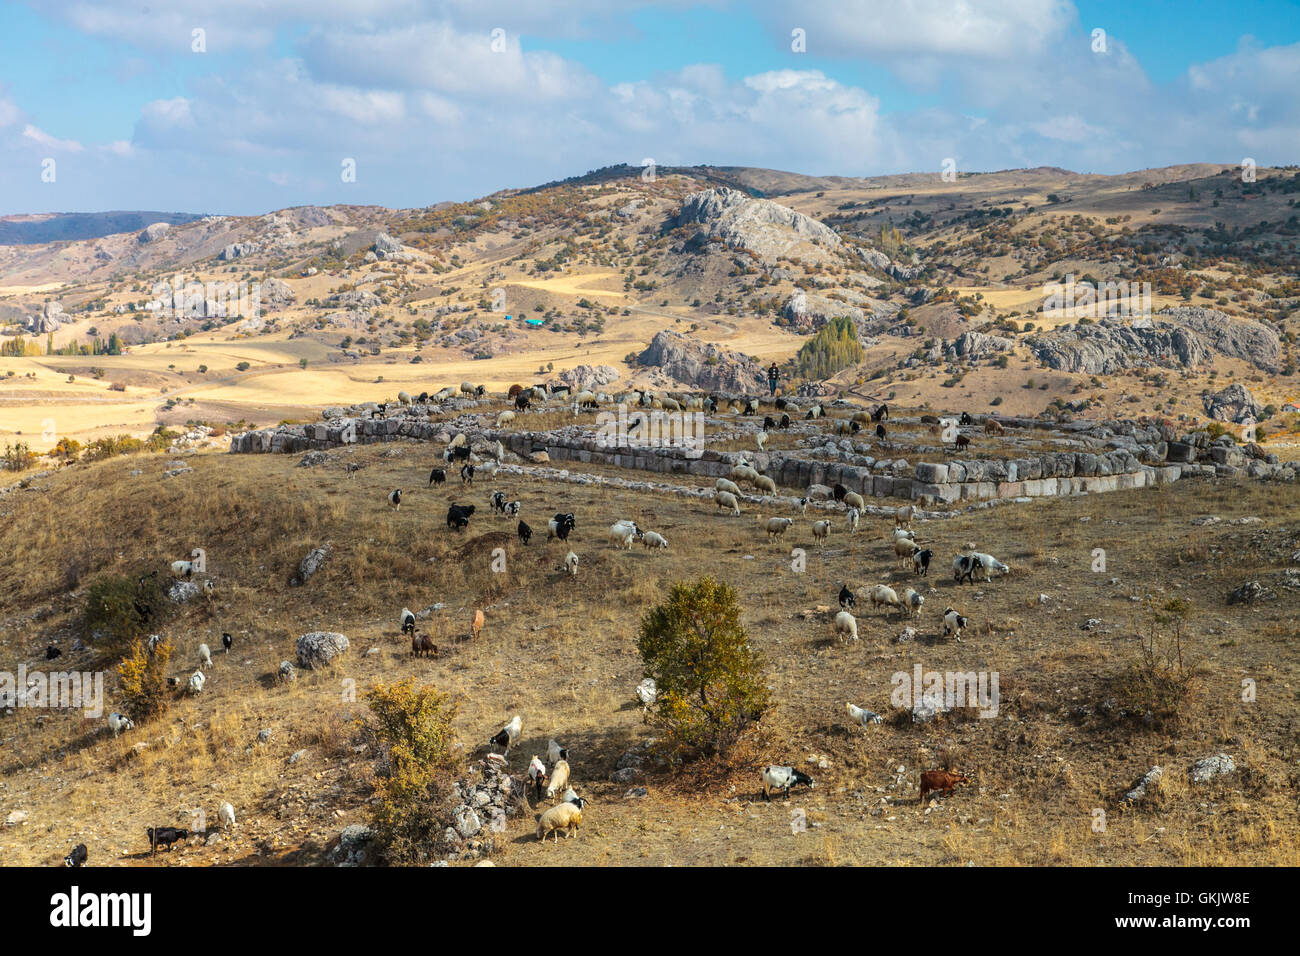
column 942, row 781
column 994, row 427
column 963, row 441
column 422, row 645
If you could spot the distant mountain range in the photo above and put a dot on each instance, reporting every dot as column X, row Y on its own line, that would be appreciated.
column 29, row 230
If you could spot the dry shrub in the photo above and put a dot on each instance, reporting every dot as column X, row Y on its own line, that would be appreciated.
column 142, row 680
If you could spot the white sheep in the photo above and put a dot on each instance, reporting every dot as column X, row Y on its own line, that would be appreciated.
column 744, row 473
column 653, row 539
column 884, row 596
column 205, row 656
column 571, row 563
column 195, row 685
column 904, row 548
column 912, row 602
column 505, row 417
column 226, row 814
column 845, row 626
column 764, row 483
column 725, row 499
column 854, row 500
column 853, row 516
column 725, row 484
column 559, row 778
column 953, row 623
column 183, row 569
column 776, row 527
column 904, row 515
column 760, row 440
column 622, row 534
column 563, row 816
column 821, row 530
column 120, row 722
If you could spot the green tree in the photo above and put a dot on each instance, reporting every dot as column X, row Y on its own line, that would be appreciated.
column 709, row 681
column 834, row 347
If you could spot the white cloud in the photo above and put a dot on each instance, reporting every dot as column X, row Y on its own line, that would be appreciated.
column 43, row 139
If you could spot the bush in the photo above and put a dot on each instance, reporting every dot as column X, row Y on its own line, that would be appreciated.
column 242, row 367
column 411, row 729
column 110, row 609
column 66, row 448
column 142, row 680
column 1159, row 684
column 709, row 680
column 19, row 456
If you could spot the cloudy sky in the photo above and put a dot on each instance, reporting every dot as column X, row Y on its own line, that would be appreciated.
column 242, row 106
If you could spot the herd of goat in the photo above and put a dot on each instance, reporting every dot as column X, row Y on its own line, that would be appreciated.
column 566, row 815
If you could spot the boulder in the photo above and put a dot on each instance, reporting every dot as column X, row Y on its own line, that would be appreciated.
column 319, row 648
column 1233, row 404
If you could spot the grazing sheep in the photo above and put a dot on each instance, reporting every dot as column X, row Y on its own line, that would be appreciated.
column 912, row 602
column 408, row 621
column 760, row 440
column 563, row 816
column 559, row 778
column 940, row 781
column 953, row 623
column 821, row 530
column 404, row 398
column 183, row 569
column 537, row 777
column 195, row 685
column 725, row 499
column 904, row 515
column 437, row 476
column 845, row 626
column 120, row 722
column 776, row 527
column 524, row 532
column 744, row 473
column 847, row 600
column 507, row 735
column 884, row 596
column 921, row 561
column 555, row 753
column 904, row 549
column 505, row 417
column 783, row 778
column 965, row 566
column 571, row 563
column 653, row 539
column 205, row 656
column 77, row 857
column 466, row 388
column 854, row 500
column 764, row 483
column 646, row 692
column 845, row 427
column 994, row 427
column 853, row 517
column 226, row 814
column 862, row 417
column 422, row 645
column 862, row 716
column 458, row 516
column 725, row 484
column 395, row 499
column 622, row 534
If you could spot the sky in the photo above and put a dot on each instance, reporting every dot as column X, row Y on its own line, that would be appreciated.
column 240, row 107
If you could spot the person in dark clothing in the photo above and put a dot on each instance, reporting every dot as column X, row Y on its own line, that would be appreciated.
column 773, row 376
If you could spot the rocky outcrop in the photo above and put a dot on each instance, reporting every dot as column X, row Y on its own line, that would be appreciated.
column 760, row 226
column 1233, row 404
column 356, row 299
column 1183, row 337
column 153, row 232
column 589, row 376
column 318, row 648
column 973, row 345
column 237, row 249
column 276, row 294
column 50, row 318
column 702, row 364
column 389, row 249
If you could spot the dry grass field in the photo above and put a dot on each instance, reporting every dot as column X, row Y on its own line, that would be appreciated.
column 563, row 655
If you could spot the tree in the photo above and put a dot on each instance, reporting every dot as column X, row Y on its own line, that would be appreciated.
column 411, row 728
column 709, row 681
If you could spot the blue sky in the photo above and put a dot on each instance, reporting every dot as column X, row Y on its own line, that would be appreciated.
column 115, row 101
